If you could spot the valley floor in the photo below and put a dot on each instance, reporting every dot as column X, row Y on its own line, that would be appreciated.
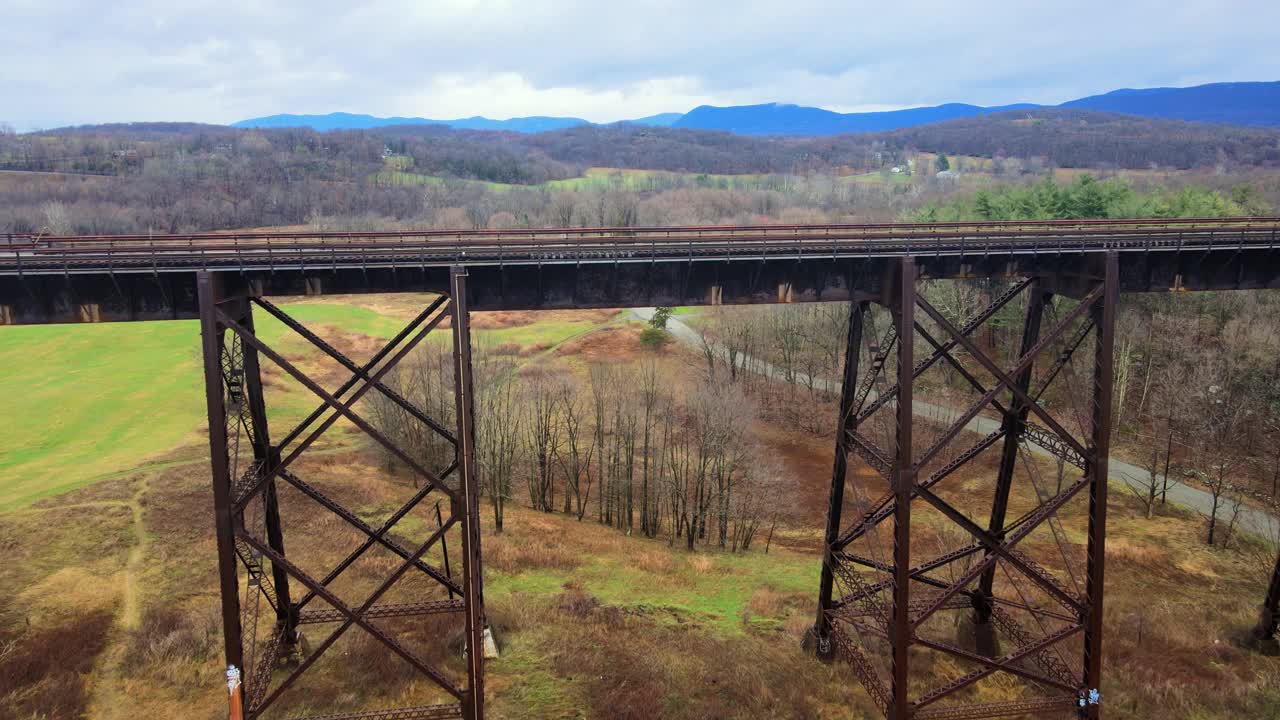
column 106, row 527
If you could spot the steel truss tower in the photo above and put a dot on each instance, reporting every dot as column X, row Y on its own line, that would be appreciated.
column 252, row 472
column 945, row 591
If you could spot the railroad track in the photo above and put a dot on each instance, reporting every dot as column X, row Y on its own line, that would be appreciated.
column 41, row 254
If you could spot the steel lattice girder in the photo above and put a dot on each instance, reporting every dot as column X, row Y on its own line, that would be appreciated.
column 887, row 610
column 233, row 383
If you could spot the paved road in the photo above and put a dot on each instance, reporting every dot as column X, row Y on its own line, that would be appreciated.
column 1123, row 474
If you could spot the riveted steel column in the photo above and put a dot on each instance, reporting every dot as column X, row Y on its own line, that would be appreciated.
column 1104, row 318
column 1014, row 422
column 903, row 482
column 266, row 456
column 1270, row 619
column 472, row 588
column 211, row 341
column 846, row 423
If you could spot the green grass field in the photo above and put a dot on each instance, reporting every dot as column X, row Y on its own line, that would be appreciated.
column 601, row 178
column 87, row 402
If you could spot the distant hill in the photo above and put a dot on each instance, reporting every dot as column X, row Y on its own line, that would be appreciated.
column 1245, row 103
column 1079, row 138
column 1242, row 103
column 778, row 119
column 350, row 121
column 659, row 120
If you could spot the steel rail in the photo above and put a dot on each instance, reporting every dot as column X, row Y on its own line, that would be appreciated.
column 302, row 256
column 644, row 230
column 702, row 235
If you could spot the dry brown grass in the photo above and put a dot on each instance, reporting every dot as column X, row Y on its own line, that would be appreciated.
column 44, row 668
column 702, row 563
column 509, row 554
column 629, row 668
column 614, row 344
column 767, row 602
column 168, row 641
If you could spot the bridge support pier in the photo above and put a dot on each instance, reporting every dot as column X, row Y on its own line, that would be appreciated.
column 820, row 635
column 1269, row 622
column 888, row 587
column 251, row 513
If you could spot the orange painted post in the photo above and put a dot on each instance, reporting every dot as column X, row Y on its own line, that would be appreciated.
column 237, row 693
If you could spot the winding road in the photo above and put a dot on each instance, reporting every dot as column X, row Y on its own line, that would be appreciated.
column 1122, row 474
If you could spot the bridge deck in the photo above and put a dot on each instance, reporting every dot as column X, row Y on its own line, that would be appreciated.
column 34, row 254
column 142, row 277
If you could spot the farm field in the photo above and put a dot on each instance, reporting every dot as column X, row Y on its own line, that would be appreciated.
column 602, row 178
column 972, row 172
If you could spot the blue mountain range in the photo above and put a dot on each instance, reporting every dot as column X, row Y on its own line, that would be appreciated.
column 1240, row 103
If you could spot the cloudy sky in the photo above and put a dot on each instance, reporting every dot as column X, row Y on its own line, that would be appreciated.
column 68, row 62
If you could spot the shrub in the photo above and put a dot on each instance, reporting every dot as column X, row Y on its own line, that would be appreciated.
column 653, row 337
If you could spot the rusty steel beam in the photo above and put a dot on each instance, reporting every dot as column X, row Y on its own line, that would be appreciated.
column 1104, row 320
column 265, row 454
column 990, row 665
column 1000, row 708
column 876, row 609
column 845, row 425
column 467, row 502
column 232, row 350
column 358, row 372
column 372, row 536
column 903, row 482
column 1004, row 381
column 355, row 616
column 1270, row 617
column 970, row 324
column 211, row 340
column 341, row 408
column 1013, row 425
column 885, row 507
column 421, row 712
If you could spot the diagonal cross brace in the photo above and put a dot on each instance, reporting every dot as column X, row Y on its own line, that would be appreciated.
column 884, row 509
column 1004, row 381
column 356, row 617
column 359, row 372
column 991, row 666
column 375, row 536
column 1008, row 544
column 970, row 325
column 917, row 573
column 329, row 421
column 372, row 539
column 870, row 452
column 342, row 408
column 995, row 546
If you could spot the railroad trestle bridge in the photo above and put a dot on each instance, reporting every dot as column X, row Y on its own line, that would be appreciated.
column 883, row 588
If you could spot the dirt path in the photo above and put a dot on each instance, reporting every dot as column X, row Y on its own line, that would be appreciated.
column 1121, row 473
column 131, row 606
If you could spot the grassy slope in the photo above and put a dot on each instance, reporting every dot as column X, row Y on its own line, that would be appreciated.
column 85, row 402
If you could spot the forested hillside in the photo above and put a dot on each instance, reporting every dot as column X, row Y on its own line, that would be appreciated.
column 175, row 177
column 1090, row 139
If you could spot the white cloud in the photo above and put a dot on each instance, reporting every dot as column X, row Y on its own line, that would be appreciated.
column 78, row 62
